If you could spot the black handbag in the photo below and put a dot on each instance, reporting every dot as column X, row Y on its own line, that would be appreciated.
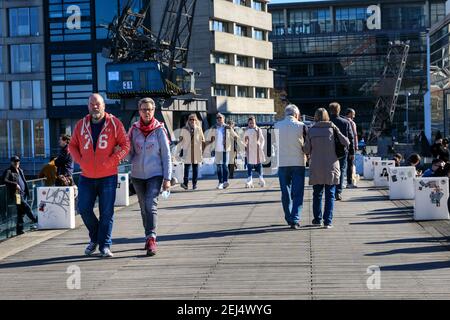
column 339, row 147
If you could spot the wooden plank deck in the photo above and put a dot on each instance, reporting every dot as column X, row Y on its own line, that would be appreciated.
column 233, row 244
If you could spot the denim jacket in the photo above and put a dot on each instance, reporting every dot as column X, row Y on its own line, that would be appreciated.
column 150, row 156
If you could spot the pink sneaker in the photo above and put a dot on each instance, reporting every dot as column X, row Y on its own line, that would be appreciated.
column 151, row 246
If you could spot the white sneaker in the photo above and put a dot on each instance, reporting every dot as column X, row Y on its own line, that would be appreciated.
column 262, row 183
column 226, row 185
column 90, row 249
column 106, row 253
column 220, row 186
column 249, row 183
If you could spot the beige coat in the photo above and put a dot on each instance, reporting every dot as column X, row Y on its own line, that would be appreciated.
column 254, row 142
column 192, row 145
column 323, row 164
column 289, row 134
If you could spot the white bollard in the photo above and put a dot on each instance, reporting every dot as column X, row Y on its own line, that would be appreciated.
column 56, row 207
column 178, row 171
column 431, row 196
column 208, row 167
column 381, row 173
column 368, row 167
column 401, row 183
column 122, row 190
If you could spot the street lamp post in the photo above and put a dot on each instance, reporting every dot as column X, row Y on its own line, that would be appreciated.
column 407, row 116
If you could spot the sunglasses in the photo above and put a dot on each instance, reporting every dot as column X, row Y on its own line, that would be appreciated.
column 191, row 119
column 219, row 118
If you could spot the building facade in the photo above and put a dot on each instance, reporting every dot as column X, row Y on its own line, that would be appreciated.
column 335, row 51
column 24, row 127
column 440, row 76
column 230, row 51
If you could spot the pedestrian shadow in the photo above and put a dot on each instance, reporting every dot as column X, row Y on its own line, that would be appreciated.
column 414, row 250
column 412, row 240
column 54, row 260
column 255, row 191
column 367, row 199
column 221, row 204
column 409, row 220
column 424, row 266
column 393, row 211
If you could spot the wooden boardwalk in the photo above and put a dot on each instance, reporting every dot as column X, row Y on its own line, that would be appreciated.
column 233, row 244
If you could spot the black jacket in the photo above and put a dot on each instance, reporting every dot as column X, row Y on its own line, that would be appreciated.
column 11, row 179
column 346, row 129
column 64, row 162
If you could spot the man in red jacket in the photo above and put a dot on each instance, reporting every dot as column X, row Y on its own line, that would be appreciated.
column 98, row 144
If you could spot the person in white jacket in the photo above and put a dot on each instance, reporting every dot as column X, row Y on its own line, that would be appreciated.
column 254, row 147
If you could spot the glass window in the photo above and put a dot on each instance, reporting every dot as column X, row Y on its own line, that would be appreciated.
column 24, row 22
column 219, row 26
column 351, row 19
column 16, row 137
column 260, row 64
column 3, row 102
column 240, row 30
column 244, row 92
column 258, row 34
column 26, row 94
column 2, row 69
column 4, row 139
column 39, row 138
column 27, row 141
column 58, row 18
column 20, row 58
column 257, row 5
column 221, row 90
column 261, row 93
column 221, row 58
column 242, row 61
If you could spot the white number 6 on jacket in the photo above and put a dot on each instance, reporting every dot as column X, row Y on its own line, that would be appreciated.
column 102, row 141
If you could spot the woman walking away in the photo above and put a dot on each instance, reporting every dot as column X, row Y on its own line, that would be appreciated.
column 254, row 147
column 324, row 172
column 151, row 166
column 191, row 142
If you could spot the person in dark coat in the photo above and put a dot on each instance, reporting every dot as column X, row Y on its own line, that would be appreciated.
column 345, row 128
column 17, row 187
column 64, row 161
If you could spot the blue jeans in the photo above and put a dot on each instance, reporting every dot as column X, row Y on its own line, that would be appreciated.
column 257, row 167
column 343, row 168
column 329, row 202
column 292, row 184
column 147, row 191
column 222, row 169
column 88, row 191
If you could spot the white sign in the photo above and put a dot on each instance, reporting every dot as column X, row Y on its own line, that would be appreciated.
column 56, row 207
column 401, row 183
column 74, row 20
column 122, row 190
column 368, row 167
column 431, row 195
column 374, row 21
column 381, row 173
column 127, row 84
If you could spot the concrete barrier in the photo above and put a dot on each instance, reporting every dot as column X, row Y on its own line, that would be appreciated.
column 56, row 207
column 368, row 167
column 381, row 173
column 122, row 190
column 401, row 183
column 431, row 196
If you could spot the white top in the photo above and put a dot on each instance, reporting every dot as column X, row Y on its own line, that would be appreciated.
column 219, row 138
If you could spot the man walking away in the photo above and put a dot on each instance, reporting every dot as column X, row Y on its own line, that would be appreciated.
column 350, row 116
column 290, row 135
column 345, row 128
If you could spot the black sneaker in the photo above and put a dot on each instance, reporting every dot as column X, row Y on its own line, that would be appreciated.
column 338, row 197
column 295, row 226
column 184, row 186
column 316, row 222
column 194, row 187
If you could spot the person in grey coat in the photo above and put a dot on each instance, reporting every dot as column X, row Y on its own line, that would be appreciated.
column 324, row 169
column 151, row 166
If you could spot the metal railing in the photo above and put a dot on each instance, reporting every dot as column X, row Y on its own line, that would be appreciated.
column 8, row 210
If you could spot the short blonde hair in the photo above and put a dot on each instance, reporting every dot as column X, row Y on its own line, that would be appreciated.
column 146, row 100
column 321, row 114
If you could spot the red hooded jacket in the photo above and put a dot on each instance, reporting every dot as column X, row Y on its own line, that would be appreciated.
column 104, row 160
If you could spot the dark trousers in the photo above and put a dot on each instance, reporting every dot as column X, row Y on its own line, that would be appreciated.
column 343, row 168
column 350, row 172
column 194, row 174
column 231, row 168
column 22, row 210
